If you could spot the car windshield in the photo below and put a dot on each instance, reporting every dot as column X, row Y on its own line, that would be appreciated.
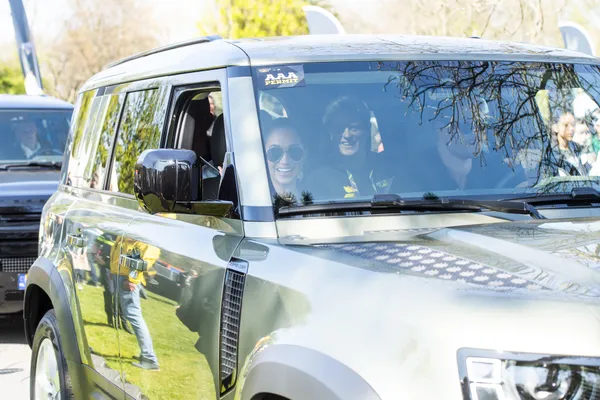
column 336, row 132
column 33, row 135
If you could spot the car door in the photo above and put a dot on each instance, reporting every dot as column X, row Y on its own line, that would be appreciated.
column 175, row 305
column 94, row 224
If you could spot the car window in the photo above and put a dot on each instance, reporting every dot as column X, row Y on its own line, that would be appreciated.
column 81, row 118
column 37, row 134
column 140, row 129
column 72, row 163
column 202, row 129
column 101, row 140
column 428, row 128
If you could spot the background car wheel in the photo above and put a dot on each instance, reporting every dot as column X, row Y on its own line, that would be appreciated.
column 49, row 377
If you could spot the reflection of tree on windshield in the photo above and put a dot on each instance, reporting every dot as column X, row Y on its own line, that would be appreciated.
column 289, row 200
column 509, row 108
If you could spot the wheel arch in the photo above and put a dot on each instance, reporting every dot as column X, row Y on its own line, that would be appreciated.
column 45, row 290
column 296, row 372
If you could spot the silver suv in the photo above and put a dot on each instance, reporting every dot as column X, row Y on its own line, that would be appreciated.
column 337, row 217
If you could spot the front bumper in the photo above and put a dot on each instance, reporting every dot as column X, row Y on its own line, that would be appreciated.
column 18, row 251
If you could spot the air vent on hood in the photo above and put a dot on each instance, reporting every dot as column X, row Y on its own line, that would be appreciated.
column 428, row 262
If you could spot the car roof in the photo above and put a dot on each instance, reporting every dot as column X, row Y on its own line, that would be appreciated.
column 192, row 55
column 23, row 101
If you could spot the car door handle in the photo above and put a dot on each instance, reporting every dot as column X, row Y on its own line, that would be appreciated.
column 76, row 241
column 133, row 263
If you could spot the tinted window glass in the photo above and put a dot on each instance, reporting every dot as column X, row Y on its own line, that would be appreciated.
column 83, row 107
column 429, row 128
column 86, row 140
column 80, row 120
column 140, row 129
column 33, row 135
column 103, row 134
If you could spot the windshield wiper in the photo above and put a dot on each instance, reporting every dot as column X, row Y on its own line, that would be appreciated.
column 579, row 196
column 34, row 164
column 391, row 202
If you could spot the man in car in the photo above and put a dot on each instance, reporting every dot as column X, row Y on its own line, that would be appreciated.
column 27, row 139
column 26, row 144
column 462, row 156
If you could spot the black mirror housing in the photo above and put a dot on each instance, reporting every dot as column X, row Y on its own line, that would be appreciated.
column 169, row 181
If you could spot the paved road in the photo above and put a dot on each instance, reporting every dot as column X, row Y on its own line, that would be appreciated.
column 14, row 360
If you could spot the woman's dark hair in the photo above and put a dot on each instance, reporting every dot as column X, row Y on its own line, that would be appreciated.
column 349, row 109
column 279, row 124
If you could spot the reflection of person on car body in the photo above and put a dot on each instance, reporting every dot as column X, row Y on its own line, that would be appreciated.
column 128, row 286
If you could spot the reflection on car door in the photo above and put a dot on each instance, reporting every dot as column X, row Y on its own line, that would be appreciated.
column 94, row 228
column 171, row 278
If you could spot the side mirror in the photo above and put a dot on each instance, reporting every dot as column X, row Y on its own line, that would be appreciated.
column 169, row 181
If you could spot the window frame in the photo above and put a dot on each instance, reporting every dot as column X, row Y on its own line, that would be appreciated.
column 178, row 103
column 202, row 81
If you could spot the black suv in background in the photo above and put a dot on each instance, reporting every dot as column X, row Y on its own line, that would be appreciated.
column 33, row 132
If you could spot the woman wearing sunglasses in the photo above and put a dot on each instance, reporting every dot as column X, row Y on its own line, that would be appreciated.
column 285, row 157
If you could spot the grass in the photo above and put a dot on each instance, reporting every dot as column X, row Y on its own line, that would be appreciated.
column 184, row 372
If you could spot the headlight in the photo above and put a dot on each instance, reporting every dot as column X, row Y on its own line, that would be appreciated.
column 488, row 375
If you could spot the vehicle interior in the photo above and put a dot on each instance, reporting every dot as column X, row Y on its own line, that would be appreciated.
column 200, row 127
column 52, row 128
column 407, row 130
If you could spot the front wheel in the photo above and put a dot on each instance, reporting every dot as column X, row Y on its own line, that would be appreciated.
column 49, row 377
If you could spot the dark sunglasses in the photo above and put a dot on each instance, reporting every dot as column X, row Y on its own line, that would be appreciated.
column 276, row 152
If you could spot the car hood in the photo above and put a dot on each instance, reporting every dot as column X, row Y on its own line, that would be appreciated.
column 26, row 191
column 397, row 308
column 558, row 256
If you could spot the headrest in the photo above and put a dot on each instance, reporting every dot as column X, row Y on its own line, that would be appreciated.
column 199, row 119
column 200, row 111
column 218, row 144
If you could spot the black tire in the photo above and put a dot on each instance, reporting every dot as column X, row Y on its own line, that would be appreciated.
column 48, row 329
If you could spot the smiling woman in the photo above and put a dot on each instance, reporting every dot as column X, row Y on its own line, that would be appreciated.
column 285, row 154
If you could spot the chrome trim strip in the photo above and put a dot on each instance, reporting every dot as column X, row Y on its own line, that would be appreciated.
column 257, row 214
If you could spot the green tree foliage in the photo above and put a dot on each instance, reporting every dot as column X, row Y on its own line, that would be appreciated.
column 257, row 18
column 109, row 127
column 11, row 80
column 140, row 130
